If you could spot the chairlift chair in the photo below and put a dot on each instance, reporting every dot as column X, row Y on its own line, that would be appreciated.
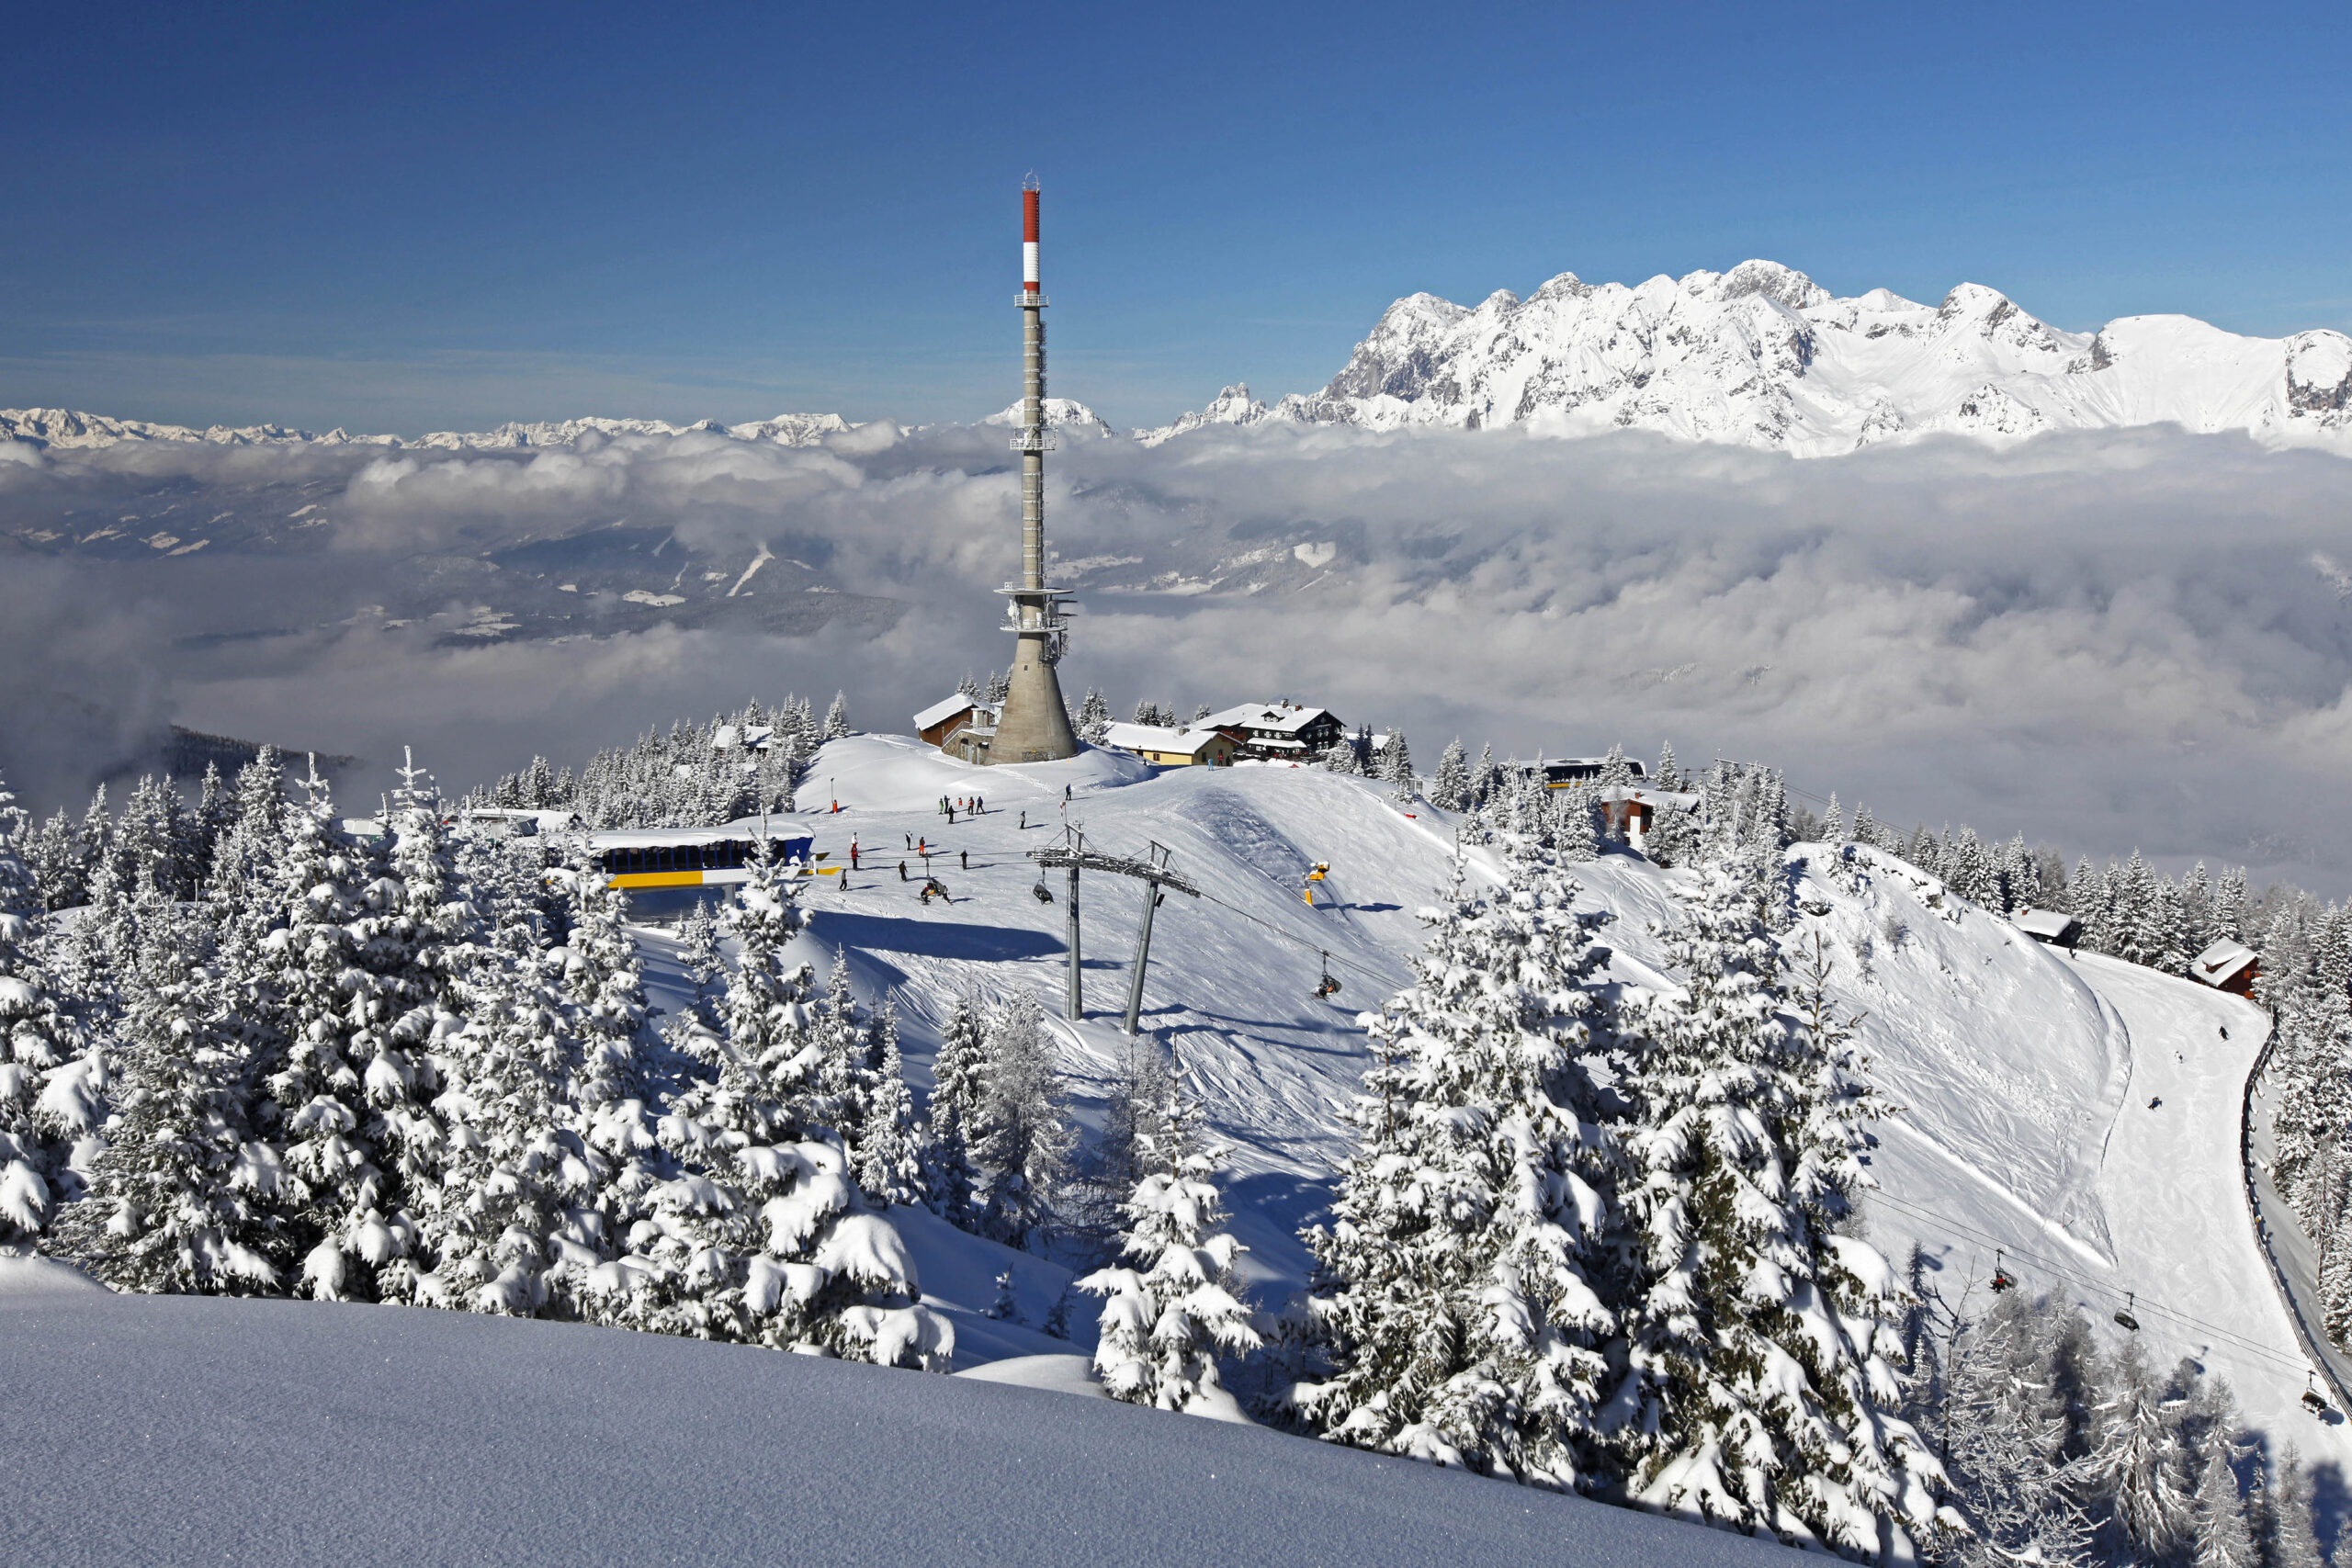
column 1328, row 986
column 2001, row 1278
column 2313, row 1401
column 2124, row 1318
column 1044, row 894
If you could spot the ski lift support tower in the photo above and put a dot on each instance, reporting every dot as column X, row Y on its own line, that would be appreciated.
column 1152, row 870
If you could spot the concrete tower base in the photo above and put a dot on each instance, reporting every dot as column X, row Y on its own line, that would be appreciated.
column 1034, row 727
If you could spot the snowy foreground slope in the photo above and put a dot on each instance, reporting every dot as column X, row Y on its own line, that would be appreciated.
column 181, row 1430
column 2022, row 1077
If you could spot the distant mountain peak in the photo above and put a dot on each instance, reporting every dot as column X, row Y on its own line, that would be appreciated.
column 1762, row 356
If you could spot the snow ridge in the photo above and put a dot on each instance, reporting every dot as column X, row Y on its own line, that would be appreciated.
column 66, row 429
column 1763, row 357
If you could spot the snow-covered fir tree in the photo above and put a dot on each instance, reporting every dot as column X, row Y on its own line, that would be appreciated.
column 51, row 1081
column 1174, row 1306
column 1451, row 790
column 1461, row 1285
column 953, row 1118
column 351, row 977
column 889, row 1159
column 1763, row 1391
column 184, row 1193
column 705, row 965
column 1833, row 822
column 837, row 717
column 1018, row 1137
column 2137, row 1460
column 1093, row 718
column 762, row 1235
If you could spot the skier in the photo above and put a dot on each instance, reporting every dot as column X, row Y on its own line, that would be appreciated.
column 1024, row 819
column 902, row 871
column 964, row 856
column 852, row 854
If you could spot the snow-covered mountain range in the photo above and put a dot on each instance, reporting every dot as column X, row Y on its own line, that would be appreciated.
column 1761, row 355
column 66, row 429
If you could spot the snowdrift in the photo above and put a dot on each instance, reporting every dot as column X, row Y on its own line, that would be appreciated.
column 172, row 1429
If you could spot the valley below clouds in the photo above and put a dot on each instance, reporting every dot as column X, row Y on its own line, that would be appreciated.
column 2107, row 639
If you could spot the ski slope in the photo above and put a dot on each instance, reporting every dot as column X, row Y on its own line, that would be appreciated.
column 2019, row 1077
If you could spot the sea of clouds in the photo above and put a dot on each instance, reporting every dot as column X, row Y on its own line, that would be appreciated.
column 2107, row 641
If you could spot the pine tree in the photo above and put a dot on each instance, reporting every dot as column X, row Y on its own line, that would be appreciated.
column 959, row 1083
column 183, row 1195
column 1832, row 823
column 762, row 1237
column 1018, row 1137
column 1177, row 1308
column 1093, row 718
column 889, row 1159
column 605, row 1126
column 1763, row 1391
column 1865, row 827
column 1669, row 773
column 347, row 1061
column 50, row 1083
column 2005, row 1430
column 1342, row 758
column 2136, row 1459
column 1576, row 833
column 837, row 717
column 2293, row 1540
column 1460, row 1282
column 1450, row 789
column 1486, row 777
column 844, row 1080
column 2229, row 906
column 2224, row 1537
column 512, row 1173
column 698, row 951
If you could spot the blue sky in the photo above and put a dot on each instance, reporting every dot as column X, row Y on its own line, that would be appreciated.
column 403, row 217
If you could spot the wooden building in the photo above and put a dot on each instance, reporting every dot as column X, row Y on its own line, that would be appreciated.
column 2229, row 966
column 1198, row 746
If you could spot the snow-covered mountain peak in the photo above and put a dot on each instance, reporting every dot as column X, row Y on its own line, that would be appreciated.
column 1061, row 413
column 1762, row 356
column 1783, row 285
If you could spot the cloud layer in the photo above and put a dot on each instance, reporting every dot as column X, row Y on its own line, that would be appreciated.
column 2107, row 639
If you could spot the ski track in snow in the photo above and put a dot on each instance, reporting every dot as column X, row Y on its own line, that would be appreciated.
column 2021, row 1077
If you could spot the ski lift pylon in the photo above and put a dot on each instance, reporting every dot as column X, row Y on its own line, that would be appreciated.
column 2124, row 1318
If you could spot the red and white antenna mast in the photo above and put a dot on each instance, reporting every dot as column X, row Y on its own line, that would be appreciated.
column 1034, row 726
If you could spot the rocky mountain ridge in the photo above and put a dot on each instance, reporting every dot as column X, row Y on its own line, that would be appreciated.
column 1763, row 357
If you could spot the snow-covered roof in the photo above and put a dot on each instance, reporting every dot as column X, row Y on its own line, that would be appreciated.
column 753, row 737
column 946, row 709
column 2221, row 962
column 1287, row 718
column 2045, row 925
column 1157, row 738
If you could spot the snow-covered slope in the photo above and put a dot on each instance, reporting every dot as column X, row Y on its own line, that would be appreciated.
column 163, row 1429
column 2021, row 1077
column 1763, row 357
